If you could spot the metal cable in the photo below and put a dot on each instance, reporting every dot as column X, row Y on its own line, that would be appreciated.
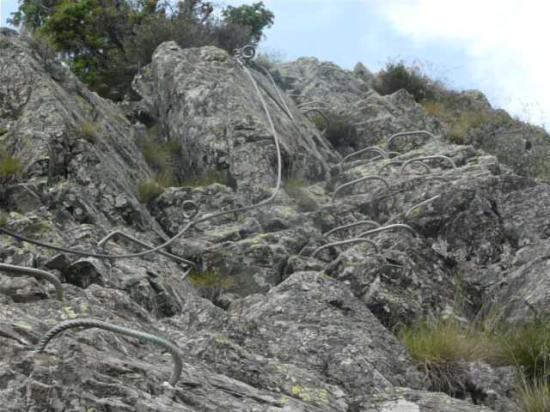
column 274, row 84
column 346, row 242
column 93, row 323
column 420, row 159
column 399, row 163
column 351, row 225
column 325, row 118
column 425, row 202
column 118, row 233
column 193, row 222
column 374, row 149
column 388, row 227
column 411, row 133
column 36, row 273
column 361, row 179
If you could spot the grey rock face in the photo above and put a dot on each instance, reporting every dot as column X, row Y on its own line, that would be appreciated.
column 205, row 101
column 261, row 324
column 349, row 94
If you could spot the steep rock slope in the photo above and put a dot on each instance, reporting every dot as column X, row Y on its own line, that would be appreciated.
column 260, row 324
column 205, row 101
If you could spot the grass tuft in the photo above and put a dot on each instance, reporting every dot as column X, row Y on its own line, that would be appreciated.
column 9, row 165
column 528, row 348
column 88, row 132
column 535, row 396
column 148, row 191
column 439, row 347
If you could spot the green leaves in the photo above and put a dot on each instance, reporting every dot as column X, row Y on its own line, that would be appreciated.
column 255, row 16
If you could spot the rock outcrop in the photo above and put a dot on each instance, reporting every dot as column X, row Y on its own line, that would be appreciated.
column 261, row 324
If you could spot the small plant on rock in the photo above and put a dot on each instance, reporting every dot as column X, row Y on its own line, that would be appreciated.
column 535, row 396
column 88, row 132
column 148, row 191
column 10, row 166
column 210, row 283
column 397, row 76
column 439, row 348
column 528, row 348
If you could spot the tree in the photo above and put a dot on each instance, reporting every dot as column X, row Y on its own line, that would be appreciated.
column 255, row 16
column 106, row 42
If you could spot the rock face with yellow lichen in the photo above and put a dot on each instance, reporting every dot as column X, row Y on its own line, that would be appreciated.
column 261, row 324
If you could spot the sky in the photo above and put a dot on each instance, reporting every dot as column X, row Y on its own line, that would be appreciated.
column 496, row 46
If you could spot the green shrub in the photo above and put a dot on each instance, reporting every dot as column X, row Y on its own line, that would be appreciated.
column 148, row 191
column 3, row 131
column 88, row 132
column 397, row 76
column 107, row 42
column 255, row 16
column 3, row 220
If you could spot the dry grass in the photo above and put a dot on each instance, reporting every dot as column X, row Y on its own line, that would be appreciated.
column 88, row 132
column 462, row 123
column 535, row 396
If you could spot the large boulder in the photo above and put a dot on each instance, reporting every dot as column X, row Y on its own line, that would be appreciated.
column 207, row 103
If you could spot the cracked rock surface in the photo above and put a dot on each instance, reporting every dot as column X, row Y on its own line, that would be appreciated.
column 261, row 325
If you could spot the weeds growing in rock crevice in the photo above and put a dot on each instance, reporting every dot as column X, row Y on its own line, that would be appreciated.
column 210, row 284
column 10, row 166
column 148, row 191
column 442, row 347
column 88, row 131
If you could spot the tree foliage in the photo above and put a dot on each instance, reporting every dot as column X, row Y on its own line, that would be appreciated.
column 106, row 42
column 255, row 16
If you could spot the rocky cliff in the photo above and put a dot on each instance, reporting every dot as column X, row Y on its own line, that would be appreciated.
column 265, row 313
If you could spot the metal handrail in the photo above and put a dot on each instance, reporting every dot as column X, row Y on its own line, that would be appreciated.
column 36, row 273
column 361, row 179
column 195, row 221
column 425, row 202
column 92, row 323
column 399, row 163
column 388, row 227
column 421, row 159
column 410, row 133
column 346, row 242
column 351, row 225
column 375, row 149
column 118, row 233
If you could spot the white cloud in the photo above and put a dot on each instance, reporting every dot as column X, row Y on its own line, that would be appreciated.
column 505, row 41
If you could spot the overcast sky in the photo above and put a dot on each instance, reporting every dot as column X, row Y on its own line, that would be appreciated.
column 496, row 46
